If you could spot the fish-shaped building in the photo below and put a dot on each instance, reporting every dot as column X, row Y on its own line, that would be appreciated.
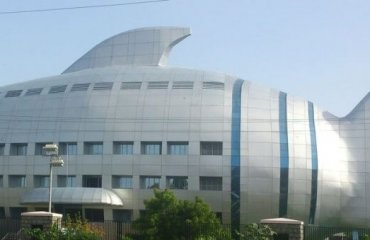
column 125, row 122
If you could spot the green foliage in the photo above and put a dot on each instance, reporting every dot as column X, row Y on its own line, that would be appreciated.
column 254, row 231
column 77, row 229
column 52, row 234
column 168, row 218
column 126, row 238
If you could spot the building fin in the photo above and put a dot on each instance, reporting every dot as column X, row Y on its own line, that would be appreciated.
column 144, row 46
column 361, row 106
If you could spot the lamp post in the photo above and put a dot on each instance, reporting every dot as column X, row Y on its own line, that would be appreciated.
column 55, row 161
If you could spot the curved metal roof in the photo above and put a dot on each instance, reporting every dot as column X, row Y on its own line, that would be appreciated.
column 72, row 195
column 143, row 46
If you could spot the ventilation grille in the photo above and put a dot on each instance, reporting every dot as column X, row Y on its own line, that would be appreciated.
column 157, row 85
column 213, row 85
column 80, row 87
column 13, row 93
column 103, row 86
column 130, row 85
column 182, row 85
column 58, row 89
column 33, row 91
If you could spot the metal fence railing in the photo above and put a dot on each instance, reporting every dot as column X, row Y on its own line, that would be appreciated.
column 9, row 225
column 342, row 233
column 112, row 230
column 117, row 230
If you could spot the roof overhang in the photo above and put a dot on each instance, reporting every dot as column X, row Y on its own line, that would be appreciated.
column 281, row 221
column 72, row 195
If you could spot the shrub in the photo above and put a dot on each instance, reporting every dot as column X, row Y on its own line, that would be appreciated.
column 255, row 231
column 77, row 229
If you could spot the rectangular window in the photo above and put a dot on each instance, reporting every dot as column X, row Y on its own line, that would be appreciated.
column 182, row 85
column 41, row 209
column 123, row 148
column 18, row 149
column 157, row 85
column 2, row 149
column 122, row 182
column 17, row 181
column 80, row 87
column 213, row 85
column 177, row 148
column 130, row 85
column 210, row 148
column 149, row 182
column 41, row 181
column 66, row 181
column 58, row 89
column 122, row 215
column 2, row 212
column 103, row 86
column 15, row 212
column 176, row 182
column 151, row 148
column 94, row 215
column 211, row 183
column 33, row 91
column 13, row 93
column 39, row 146
column 1, row 181
column 219, row 216
column 93, row 148
column 92, row 181
column 68, row 148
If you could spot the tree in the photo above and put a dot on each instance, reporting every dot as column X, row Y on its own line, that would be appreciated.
column 166, row 217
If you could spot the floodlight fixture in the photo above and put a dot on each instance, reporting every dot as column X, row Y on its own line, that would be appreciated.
column 50, row 149
column 55, row 161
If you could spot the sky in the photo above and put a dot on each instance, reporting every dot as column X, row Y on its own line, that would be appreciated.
column 317, row 50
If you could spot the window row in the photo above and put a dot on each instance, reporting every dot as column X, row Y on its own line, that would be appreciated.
column 91, row 214
column 118, row 181
column 119, row 147
column 100, row 86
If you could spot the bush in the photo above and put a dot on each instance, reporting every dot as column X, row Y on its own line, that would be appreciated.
column 77, row 229
column 254, row 231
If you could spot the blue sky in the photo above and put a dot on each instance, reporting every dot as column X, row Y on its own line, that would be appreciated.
column 318, row 50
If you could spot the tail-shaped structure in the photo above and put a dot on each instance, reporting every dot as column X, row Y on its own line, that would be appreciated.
column 144, row 46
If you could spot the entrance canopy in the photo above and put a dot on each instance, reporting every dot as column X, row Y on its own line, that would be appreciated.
column 72, row 195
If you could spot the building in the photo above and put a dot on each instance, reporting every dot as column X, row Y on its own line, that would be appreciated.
column 125, row 122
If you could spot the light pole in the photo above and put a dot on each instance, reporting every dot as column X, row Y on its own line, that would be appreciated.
column 55, row 161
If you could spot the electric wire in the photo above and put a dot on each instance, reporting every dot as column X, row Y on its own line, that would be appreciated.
column 81, row 7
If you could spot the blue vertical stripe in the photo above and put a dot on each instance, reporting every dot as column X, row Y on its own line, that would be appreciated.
column 284, row 155
column 235, row 154
column 314, row 160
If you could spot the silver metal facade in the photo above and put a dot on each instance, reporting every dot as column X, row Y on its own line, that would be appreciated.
column 294, row 160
